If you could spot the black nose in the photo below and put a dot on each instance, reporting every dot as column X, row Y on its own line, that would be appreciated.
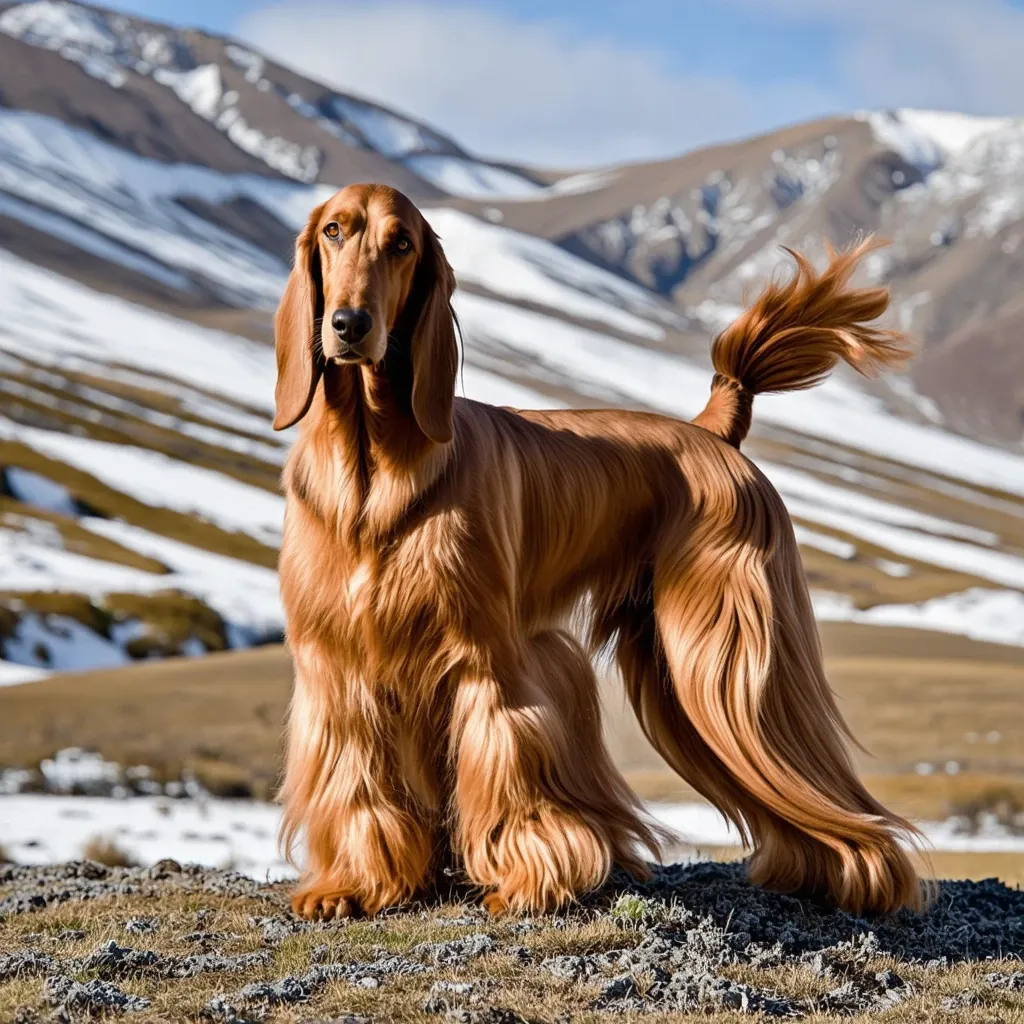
column 351, row 325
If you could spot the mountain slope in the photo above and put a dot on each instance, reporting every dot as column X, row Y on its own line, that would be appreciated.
column 704, row 228
column 144, row 241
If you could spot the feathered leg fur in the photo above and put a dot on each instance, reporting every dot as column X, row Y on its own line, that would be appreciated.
column 542, row 813
column 737, row 630
column 368, row 836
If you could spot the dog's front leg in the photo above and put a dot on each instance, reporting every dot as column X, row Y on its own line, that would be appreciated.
column 367, row 836
column 542, row 813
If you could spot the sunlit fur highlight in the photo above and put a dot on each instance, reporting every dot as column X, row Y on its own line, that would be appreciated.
column 435, row 552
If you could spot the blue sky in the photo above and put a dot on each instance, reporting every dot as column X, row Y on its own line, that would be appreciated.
column 581, row 82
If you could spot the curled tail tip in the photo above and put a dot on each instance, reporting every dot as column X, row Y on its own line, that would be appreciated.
column 793, row 335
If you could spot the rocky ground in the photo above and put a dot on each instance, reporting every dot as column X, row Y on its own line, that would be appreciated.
column 173, row 943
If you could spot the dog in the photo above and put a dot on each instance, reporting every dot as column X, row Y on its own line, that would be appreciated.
column 435, row 550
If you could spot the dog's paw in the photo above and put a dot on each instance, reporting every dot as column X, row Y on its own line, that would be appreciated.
column 318, row 905
column 495, row 904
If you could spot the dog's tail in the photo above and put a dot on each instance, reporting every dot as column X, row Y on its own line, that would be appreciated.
column 793, row 336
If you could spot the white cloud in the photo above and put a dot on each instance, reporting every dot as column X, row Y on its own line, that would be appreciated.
column 960, row 55
column 527, row 91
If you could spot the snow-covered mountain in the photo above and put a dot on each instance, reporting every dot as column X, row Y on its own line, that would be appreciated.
column 945, row 189
column 274, row 119
column 151, row 182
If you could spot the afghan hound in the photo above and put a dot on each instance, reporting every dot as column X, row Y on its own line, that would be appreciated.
column 435, row 549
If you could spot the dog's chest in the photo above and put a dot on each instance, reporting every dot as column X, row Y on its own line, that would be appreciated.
column 368, row 567
column 376, row 599
column 358, row 586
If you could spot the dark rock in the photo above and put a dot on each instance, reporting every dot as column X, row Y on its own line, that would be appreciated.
column 688, row 991
column 165, row 868
column 571, row 968
column 1008, row 982
column 277, row 929
column 24, row 964
column 112, row 959
column 449, row 996
column 457, row 951
column 211, row 963
column 93, row 997
column 961, row 1001
column 967, row 920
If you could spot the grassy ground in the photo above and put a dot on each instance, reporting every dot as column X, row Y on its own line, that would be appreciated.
column 222, row 713
column 181, row 942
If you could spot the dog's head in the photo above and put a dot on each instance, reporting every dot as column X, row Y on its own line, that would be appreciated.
column 369, row 276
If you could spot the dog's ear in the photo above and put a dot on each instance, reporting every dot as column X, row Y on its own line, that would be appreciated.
column 298, row 370
column 435, row 352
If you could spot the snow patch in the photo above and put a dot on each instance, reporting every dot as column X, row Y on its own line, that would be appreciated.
column 12, row 674
column 54, row 25
column 993, row 616
column 61, row 644
column 952, row 132
column 100, row 45
column 824, row 542
column 156, row 479
column 387, row 133
column 905, row 138
column 462, row 176
column 45, row 829
column 251, row 63
column 125, row 207
column 108, row 330
column 578, row 184
column 520, row 266
column 50, row 829
column 245, row 595
column 199, row 89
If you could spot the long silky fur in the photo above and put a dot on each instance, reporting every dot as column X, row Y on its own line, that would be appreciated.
column 441, row 701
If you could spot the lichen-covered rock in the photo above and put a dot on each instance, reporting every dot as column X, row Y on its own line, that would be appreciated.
column 457, row 951
column 23, row 964
column 71, row 997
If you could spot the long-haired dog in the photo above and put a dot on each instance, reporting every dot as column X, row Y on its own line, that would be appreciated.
column 435, row 549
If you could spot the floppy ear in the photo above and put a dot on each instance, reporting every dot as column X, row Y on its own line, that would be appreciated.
column 298, row 371
column 435, row 353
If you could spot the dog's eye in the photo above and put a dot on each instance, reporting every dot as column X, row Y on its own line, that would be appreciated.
column 403, row 245
column 333, row 230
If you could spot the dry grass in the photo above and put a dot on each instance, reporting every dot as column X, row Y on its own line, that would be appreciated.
column 104, row 850
column 76, row 929
column 226, row 709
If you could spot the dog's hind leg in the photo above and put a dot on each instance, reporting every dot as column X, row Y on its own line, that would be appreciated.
column 541, row 811
column 738, row 635
column 648, row 684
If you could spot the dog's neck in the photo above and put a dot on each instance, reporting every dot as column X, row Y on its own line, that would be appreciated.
column 361, row 425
